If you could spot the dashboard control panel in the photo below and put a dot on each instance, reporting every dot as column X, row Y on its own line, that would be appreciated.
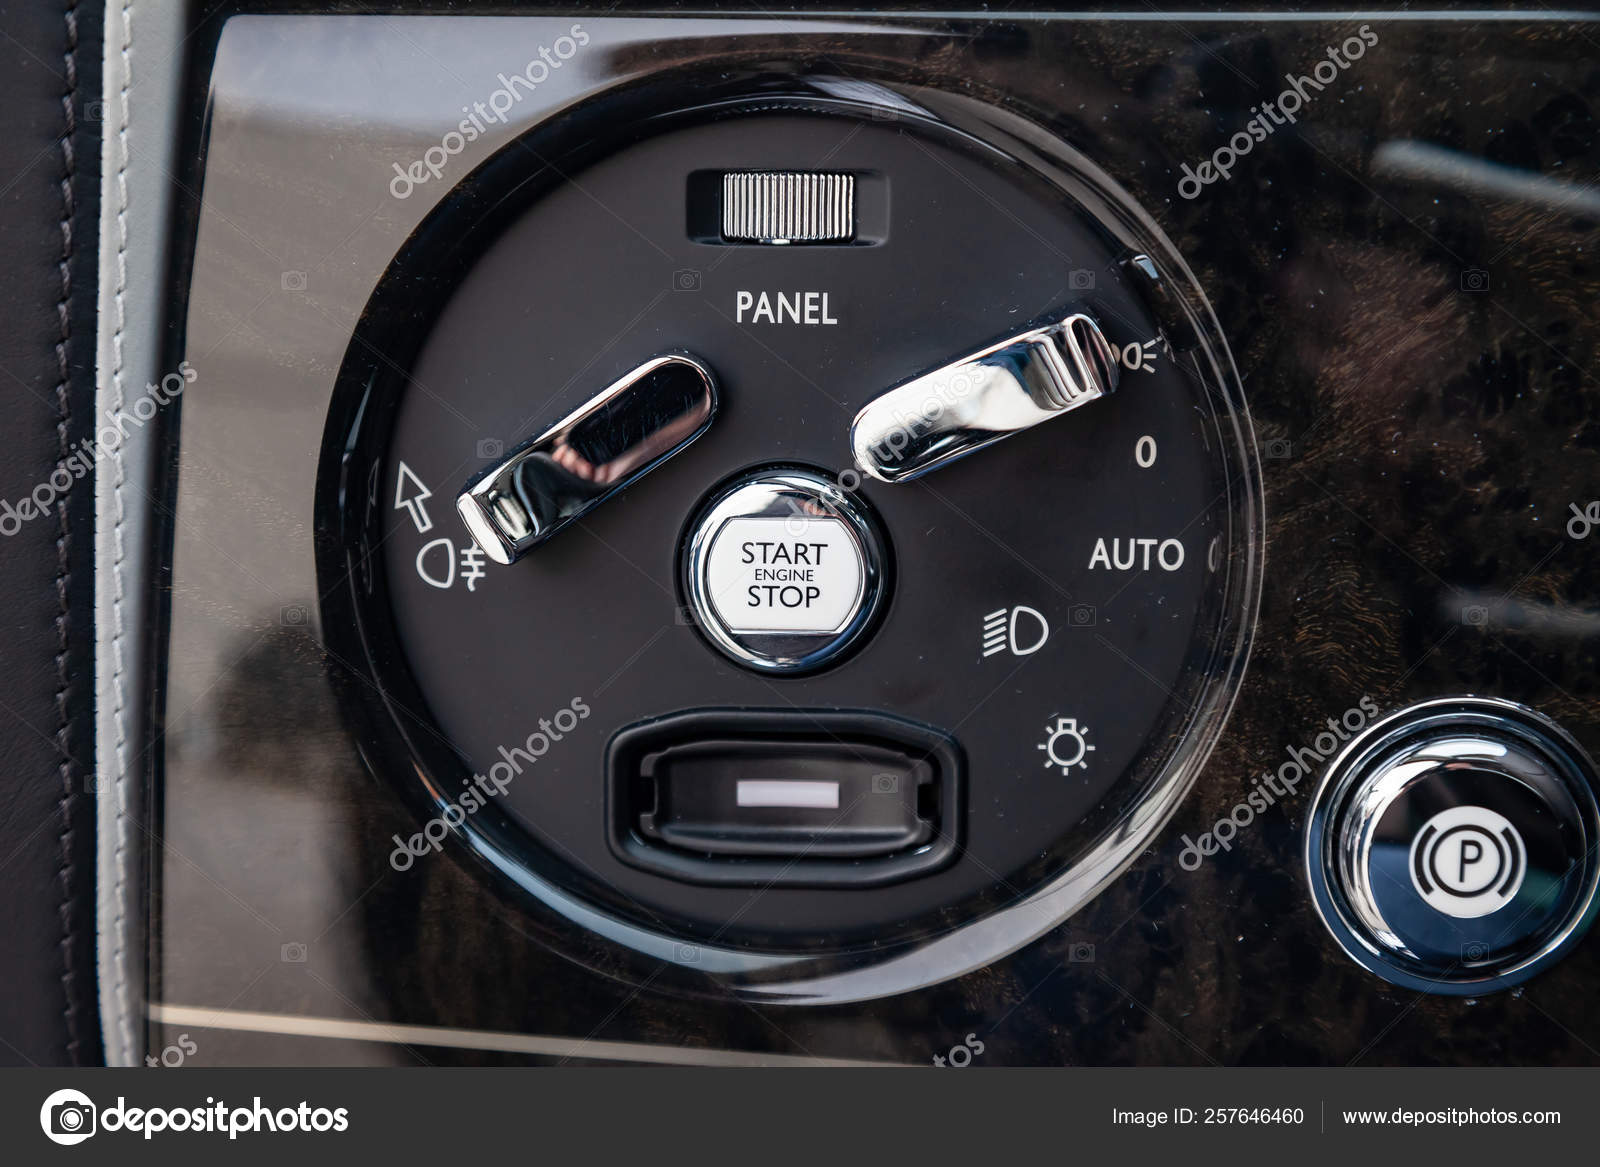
column 804, row 534
column 867, row 479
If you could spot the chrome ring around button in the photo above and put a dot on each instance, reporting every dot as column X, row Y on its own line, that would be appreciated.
column 1424, row 828
column 784, row 570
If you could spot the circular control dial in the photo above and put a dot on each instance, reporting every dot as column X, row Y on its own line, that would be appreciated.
column 967, row 493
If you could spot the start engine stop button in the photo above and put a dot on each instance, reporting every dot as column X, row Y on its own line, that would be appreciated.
column 783, row 569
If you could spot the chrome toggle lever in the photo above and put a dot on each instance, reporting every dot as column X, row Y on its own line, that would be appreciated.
column 609, row 442
column 970, row 403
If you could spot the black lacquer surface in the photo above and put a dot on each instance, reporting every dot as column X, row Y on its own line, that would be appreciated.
column 1418, row 345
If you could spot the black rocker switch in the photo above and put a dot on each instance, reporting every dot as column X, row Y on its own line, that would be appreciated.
column 793, row 796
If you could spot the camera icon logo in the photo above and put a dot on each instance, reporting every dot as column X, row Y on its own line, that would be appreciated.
column 886, row 784
column 489, row 448
column 1279, row 450
column 68, row 1117
column 1474, row 279
column 687, row 954
column 1083, row 616
column 1475, row 616
column 686, row 280
column 1081, row 279
column 294, row 281
column 1080, row 953
column 293, row 952
column 294, row 616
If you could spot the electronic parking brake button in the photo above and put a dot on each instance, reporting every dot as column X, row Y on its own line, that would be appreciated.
column 783, row 570
column 1452, row 846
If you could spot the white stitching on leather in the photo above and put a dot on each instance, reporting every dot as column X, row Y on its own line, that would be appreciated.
column 119, row 946
column 63, row 347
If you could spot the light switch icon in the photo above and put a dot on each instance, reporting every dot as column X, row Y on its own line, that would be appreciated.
column 1021, row 630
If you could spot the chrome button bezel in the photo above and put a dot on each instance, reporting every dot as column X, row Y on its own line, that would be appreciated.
column 1380, row 767
column 793, row 495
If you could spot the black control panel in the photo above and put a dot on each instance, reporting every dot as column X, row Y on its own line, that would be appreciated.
column 820, row 537
column 935, row 404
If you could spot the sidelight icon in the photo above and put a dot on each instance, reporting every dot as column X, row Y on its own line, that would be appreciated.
column 1022, row 631
column 1066, row 744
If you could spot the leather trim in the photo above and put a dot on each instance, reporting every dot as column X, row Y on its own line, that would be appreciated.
column 49, row 137
column 66, row 768
column 144, row 63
